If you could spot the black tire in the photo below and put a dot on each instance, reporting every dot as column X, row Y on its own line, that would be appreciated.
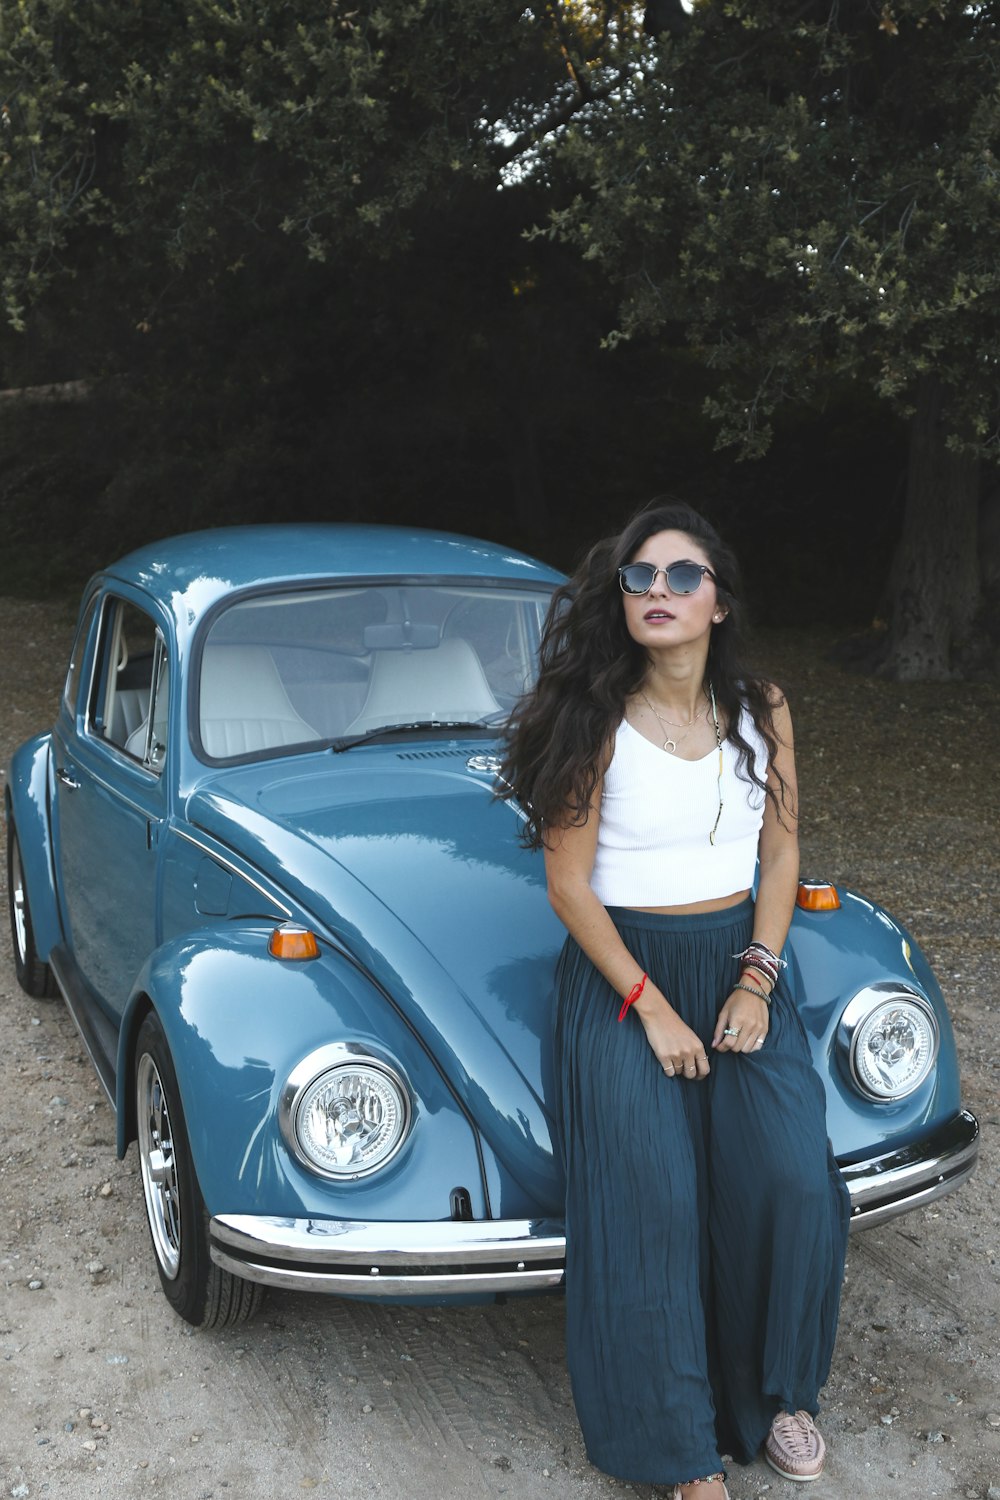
column 196, row 1288
column 34, row 976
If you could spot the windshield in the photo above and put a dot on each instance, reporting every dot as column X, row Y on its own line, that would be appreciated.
column 283, row 672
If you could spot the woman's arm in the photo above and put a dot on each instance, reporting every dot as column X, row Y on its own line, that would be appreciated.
column 779, row 877
column 779, row 842
column 569, row 862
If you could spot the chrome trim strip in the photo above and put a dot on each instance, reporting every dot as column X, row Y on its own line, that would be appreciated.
column 228, row 864
column 489, row 1283
column 103, row 779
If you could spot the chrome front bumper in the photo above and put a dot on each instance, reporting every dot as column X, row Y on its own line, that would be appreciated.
column 909, row 1177
column 446, row 1258
column 441, row 1258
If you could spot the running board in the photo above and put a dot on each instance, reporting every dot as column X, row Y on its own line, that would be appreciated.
column 97, row 1032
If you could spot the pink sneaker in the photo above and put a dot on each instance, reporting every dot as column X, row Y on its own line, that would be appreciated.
column 794, row 1448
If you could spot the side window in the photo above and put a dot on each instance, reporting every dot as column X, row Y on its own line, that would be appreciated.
column 128, row 705
column 72, row 685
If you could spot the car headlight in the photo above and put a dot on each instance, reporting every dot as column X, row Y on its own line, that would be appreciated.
column 890, row 1034
column 343, row 1112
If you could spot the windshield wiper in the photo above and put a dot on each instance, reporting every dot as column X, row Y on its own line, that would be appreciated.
column 348, row 741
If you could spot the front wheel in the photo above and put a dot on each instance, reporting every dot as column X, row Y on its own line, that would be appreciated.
column 196, row 1288
column 34, row 976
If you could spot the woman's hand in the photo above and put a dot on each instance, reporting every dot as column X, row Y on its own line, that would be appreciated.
column 678, row 1049
column 747, row 1017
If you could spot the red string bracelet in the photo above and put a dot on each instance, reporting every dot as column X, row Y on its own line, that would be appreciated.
column 752, row 972
column 632, row 996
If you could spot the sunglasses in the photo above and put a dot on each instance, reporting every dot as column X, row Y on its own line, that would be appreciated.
column 682, row 577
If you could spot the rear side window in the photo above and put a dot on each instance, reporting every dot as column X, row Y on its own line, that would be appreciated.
column 128, row 704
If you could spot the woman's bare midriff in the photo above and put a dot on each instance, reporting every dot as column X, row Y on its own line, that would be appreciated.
column 717, row 903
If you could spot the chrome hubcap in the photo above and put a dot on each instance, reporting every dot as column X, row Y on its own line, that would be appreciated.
column 159, row 1170
column 18, row 903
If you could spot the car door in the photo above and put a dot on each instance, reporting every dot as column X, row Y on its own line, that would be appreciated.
column 110, row 800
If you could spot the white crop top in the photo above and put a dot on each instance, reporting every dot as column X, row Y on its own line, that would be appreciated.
column 657, row 812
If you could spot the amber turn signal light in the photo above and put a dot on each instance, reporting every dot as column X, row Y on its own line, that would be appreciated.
column 293, row 942
column 817, row 895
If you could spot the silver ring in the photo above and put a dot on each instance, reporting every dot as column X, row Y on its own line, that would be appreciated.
column 732, row 1031
column 758, row 1043
column 669, row 1072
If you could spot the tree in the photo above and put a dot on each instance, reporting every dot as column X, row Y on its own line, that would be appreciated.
column 271, row 233
column 191, row 135
column 270, row 228
column 806, row 192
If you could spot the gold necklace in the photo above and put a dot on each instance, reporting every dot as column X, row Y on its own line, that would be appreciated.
column 671, row 745
column 672, row 741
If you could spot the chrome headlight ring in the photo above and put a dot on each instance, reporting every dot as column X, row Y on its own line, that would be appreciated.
column 343, row 1112
column 890, row 1036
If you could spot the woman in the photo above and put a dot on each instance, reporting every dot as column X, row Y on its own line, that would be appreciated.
column 706, row 1219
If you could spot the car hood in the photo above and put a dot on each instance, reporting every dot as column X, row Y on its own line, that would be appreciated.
column 409, row 860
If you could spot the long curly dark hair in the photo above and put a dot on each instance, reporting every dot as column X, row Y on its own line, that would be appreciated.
column 590, row 665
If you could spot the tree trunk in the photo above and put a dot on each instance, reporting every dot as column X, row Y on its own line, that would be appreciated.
column 934, row 591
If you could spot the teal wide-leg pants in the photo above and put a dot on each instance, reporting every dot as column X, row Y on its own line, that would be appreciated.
column 706, row 1221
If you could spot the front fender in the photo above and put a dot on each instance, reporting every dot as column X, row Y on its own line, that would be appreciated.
column 28, row 802
column 832, row 955
column 237, row 1022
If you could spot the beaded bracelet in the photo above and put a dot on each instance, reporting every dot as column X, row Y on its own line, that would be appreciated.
column 632, row 996
column 754, row 960
column 752, row 990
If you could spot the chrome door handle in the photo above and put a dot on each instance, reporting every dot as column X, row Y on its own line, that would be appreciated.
column 66, row 777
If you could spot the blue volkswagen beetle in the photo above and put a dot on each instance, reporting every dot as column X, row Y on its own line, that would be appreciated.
column 262, row 857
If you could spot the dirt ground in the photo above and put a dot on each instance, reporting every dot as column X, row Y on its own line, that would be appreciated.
column 104, row 1392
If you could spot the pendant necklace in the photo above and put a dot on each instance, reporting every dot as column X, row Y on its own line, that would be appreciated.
column 670, row 743
column 718, row 742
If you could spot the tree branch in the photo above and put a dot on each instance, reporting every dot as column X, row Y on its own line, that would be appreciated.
column 564, row 37
column 558, row 115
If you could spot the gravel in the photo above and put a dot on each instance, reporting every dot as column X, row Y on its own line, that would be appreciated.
column 104, row 1393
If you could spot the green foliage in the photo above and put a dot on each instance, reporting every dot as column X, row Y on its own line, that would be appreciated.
column 198, row 133
column 809, row 193
column 271, row 236
column 285, row 244
column 47, row 155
